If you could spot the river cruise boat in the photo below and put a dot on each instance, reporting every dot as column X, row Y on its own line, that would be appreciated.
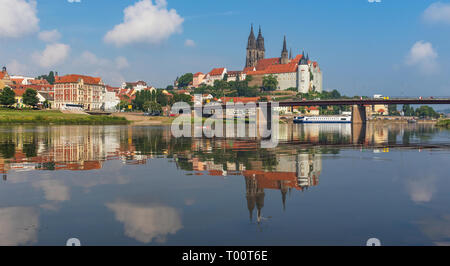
column 322, row 119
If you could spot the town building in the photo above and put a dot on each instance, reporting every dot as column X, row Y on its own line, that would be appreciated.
column 79, row 91
column 138, row 85
column 5, row 79
column 111, row 99
column 197, row 79
column 236, row 75
column 215, row 74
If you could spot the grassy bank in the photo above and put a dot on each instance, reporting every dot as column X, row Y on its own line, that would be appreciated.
column 444, row 123
column 56, row 117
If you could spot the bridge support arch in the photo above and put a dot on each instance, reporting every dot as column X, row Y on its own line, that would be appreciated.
column 359, row 114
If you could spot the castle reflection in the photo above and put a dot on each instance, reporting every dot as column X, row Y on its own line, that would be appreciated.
column 296, row 164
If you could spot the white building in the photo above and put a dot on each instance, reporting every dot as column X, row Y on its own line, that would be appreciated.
column 138, row 85
column 110, row 100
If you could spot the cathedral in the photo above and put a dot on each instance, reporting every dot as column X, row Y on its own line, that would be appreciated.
column 291, row 72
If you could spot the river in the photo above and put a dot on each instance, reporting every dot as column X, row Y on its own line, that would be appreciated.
column 138, row 185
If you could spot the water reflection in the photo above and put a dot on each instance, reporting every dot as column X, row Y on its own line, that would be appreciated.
column 63, row 161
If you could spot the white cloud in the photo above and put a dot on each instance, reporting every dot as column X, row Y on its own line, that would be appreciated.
column 145, row 22
column 16, row 68
column 108, row 69
column 18, row 18
column 437, row 13
column 121, row 62
column 145, row 223
column 374, row 1
column 49, row 36
column 189, row 43
column 423, row 56
column 53, row 54
column 74, row 1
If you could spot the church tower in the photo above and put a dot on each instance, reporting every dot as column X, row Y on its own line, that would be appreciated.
column 284, row 53
column 303, row 75
column 260, row 46
column 252, row 50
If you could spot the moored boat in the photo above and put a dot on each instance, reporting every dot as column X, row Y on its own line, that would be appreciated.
column 322, row 119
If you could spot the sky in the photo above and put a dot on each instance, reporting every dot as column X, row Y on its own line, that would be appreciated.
column 363, row 47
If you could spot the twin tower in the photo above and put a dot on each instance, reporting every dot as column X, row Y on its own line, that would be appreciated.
column 257, row 51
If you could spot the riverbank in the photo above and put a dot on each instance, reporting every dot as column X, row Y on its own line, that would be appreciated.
column 444, row 123
column 140, row 119
column 56, row 118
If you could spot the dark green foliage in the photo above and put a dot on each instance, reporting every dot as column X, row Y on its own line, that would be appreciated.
column 7, row 96
column 184, row 80
column 30, row 97
column 270, row 83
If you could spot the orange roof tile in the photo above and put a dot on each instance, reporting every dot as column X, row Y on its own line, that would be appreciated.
column 197, row 74
column 75, row 79
column 217, row 71
column 276, row 69
column 264, row 63
column 239, row 99
column 248, row 69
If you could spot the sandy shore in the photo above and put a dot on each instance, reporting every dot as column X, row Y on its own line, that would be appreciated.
column 140, row 119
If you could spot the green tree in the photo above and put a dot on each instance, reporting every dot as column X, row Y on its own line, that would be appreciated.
column 7, row 96
column 270, row 83
column 30, row 97
column 392, row 109
column 408, row 110
column 427, row 111
column 50, row 77
column 184, row 80
column 150, row 106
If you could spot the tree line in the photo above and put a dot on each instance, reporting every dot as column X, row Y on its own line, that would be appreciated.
column 8, row 97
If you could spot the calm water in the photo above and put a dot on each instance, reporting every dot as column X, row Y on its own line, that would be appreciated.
column 322, row 185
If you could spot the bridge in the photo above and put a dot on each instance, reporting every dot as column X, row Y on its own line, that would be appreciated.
column 358, row 105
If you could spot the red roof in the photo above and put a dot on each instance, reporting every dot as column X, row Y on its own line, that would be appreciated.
column 2, row 75
column 264, row 63
column 39, row 81
column 76, row 78
column 217, row 71
column 276, row 69
column 19, row 92
column 197, row 74
column 240, row 99
column 17, row 81
column 248, row 69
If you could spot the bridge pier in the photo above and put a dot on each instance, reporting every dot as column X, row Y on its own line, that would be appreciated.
column 359, row 114
column 263, row 121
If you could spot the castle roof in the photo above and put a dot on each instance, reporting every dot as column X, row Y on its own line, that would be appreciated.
column 277, row 69
column 264, row 63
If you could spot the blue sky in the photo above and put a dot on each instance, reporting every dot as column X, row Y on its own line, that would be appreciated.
column 394, row 47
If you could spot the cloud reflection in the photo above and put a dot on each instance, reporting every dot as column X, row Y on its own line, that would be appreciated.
column 147, row 223
column 18, row 226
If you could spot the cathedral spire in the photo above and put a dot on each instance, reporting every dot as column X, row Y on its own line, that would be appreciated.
column 251, row 40
column 260, row 43
column 284, row 53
